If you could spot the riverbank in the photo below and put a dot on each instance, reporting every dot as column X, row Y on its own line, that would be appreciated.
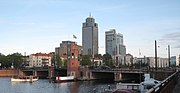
column 8, row 72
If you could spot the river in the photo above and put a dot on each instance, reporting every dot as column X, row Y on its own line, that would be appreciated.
column 44, row 86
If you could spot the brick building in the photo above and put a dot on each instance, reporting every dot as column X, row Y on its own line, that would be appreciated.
column 72, row 59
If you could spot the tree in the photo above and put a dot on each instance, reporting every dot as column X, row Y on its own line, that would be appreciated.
column 59, row 62
column 107, row 59
column 1, row 54
column 53, row 61
column 53, row 53
column 98, row 56
column 65, row 63
column 16, row 59
column 3, row 61
column 85, row 60
column 56, row 61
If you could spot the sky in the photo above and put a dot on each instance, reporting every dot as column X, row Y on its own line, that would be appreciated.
column 34, row 26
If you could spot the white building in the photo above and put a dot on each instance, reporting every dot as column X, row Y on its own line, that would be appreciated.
column 97, row 61
column 150, row 61
column 40, row 60
column 129, row 59
column 161, row 62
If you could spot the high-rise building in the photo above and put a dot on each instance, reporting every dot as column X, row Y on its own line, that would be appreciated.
column 115, row 46
column 90, row 36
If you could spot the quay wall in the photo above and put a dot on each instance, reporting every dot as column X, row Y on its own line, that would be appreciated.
column 8, row 73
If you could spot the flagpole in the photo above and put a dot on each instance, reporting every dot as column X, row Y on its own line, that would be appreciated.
column 74, row 38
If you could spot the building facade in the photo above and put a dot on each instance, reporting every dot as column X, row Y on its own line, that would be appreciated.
column 90, row 36
column 72, row 59
column 115, row 46
column 40, row 60
column 161, row 62
column 129, row 59
column 62, row 50
column 175, row 60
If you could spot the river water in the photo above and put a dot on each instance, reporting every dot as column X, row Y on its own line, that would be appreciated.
column 44, row 86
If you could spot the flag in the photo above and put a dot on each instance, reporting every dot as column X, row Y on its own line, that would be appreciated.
column 74, row 37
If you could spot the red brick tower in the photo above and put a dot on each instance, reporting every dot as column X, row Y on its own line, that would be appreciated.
column 72, row 59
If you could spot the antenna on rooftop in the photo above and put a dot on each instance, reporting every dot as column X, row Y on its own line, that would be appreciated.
column 90, row 14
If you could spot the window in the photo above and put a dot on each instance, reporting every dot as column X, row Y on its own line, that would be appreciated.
column 73, row 55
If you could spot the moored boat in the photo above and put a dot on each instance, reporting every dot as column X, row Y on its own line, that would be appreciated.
column 64, row 78
column 24, row 79
column 136, row 88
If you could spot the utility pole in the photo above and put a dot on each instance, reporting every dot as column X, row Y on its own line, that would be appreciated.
column 140, row 66
column 155, row 55
column 169, row 55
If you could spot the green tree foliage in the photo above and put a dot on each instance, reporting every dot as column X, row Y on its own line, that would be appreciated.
column 65, row 63
column 15, row 59
column 57, row 62
column 86, row 60
column 98, row 56
column 53, row 61
column 107, row 59
column 52, row 53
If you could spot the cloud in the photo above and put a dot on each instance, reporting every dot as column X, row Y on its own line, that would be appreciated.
column 171, row 39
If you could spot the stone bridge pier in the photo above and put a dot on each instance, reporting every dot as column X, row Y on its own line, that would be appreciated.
column 101, row 75
column 117, row 76
column 128, row 77
column 38, row 73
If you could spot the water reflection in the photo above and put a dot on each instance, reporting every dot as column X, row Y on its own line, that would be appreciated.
column 43, row 86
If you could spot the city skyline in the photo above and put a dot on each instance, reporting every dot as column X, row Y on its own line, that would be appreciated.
column 33, row 26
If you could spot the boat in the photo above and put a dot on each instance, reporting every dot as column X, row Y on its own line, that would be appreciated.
column 64, row 78
column 24, row 79
column 147, row 83
column 136, row 88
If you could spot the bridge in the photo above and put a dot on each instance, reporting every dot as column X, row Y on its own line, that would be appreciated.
column 42, row 73
column 135, row 75
column 39, row 72
column 113, row 74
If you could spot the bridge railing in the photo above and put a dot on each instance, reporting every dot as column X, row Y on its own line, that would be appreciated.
column 133, row 70
column 118, row 70
column 166, row 85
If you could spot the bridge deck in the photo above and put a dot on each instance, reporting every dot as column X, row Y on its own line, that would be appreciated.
column 121, row 71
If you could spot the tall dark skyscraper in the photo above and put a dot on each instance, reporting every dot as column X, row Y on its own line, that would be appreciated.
column 90, row 36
